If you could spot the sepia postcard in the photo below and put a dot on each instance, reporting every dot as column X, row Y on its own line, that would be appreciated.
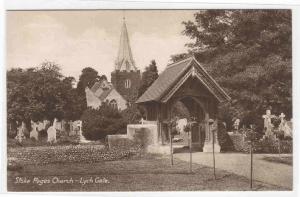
column 149, row 100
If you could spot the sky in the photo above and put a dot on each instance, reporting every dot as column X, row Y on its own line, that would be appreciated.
column 79, row 39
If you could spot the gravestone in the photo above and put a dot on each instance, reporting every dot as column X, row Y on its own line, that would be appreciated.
column 72, row 130
column 81, row 137
column 236, row 125
column 52, row 132
column 34, row 133
column 20, row 134
column 285, row 126
column 288, row 129
column 268, row 124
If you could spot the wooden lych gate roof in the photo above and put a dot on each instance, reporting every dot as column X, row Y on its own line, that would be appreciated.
column 175, row 75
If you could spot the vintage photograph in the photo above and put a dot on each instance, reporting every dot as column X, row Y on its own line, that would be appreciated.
column 149, row 100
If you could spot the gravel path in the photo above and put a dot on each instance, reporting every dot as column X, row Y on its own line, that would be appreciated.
column 238, row 163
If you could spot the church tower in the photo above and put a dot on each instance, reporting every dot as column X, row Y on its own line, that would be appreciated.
column 126, row 78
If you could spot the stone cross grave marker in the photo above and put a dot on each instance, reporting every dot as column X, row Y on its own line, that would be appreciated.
column 267, row 123
column 236, row 124
column 284, row 126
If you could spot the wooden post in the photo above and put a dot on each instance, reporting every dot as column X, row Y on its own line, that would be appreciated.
column 190, row 147
column 279, row 146
column 251, row 164
column 171, row 145
column 214, row 161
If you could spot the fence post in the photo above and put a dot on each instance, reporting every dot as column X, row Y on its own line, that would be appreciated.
column 210, row 122
column 190, row 147
column 214, row 154
column 171, row 145
column 279, row 146
column 251, row 163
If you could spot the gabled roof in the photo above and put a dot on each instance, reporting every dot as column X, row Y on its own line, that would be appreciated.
column 165, row 85
column 96, row 86
column 104, row 94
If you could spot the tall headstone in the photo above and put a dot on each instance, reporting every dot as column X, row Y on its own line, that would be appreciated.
column 71, row 127
column 285, row 126
column 268, row 123
column 236, row 125
column 20, row 134
column 81, row 137
column 52, row 132
column 210, row 136
column 34, row 133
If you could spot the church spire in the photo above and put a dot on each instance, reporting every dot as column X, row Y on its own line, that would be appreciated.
column 124, row 60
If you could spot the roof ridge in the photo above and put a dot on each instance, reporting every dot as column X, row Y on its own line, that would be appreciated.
column 175, row 63
column 211, row 78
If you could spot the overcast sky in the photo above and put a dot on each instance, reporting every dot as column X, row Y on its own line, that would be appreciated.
column 77, row 39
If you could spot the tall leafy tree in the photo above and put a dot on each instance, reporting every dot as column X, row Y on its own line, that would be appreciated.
column 148, row 77
column 87, row 79
column 249, row 53
column 39, row 93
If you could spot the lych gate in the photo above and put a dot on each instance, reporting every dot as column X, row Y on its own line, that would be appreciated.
column 186, row 82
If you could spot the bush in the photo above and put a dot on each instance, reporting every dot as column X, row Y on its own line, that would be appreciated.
column 98, row 123
column 239, row 143
column 132, row 114
column 224, row 139
column 271, row 145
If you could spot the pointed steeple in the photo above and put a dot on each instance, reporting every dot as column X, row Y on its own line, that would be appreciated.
column 124, row 60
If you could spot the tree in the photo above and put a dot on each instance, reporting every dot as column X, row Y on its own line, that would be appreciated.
column 249, row 53
column 39, row 93
column 148, row 77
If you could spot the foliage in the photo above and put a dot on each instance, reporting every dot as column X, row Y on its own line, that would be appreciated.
column 180, row 110
column 39, row 93
column 148, row 77
column 132, row 114
column 87, row 79
column 223, row 138
column 249, row 53
column 98, row 123
column 172, row 124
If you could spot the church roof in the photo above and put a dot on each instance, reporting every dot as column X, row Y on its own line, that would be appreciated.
column 96, row 86
column 124, row 60
column 105, row 93
column 163, row 87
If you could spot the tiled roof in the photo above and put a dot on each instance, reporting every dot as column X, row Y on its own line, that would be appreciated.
column 96, row 86
column 165, row 81
column 173, row 74
column 104, row 94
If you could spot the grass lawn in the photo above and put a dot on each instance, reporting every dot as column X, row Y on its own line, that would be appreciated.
column 283, row 159
column 148, row 173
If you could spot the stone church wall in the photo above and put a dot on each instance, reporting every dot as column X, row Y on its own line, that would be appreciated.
column 118, row 79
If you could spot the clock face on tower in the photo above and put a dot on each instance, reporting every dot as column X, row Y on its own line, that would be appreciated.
column 127, row 83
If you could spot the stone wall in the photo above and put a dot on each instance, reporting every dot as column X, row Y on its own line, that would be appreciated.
column 142, row 135
column 118, row 79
